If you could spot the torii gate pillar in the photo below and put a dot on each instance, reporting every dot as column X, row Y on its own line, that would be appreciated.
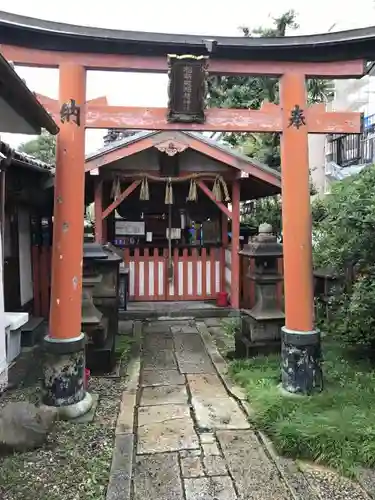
column 64, row 385
column 300, row 348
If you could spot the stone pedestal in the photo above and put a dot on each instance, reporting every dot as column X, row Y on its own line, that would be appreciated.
column 63, row 377
column 261, row 324
column 301, row 362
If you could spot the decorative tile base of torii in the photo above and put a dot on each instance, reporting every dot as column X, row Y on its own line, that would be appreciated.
column 301, row 372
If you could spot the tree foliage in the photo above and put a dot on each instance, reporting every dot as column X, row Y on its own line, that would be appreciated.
column 266, row 210
column 250, row 92
column 42, row 148
column 347, row 223
column 344, row 232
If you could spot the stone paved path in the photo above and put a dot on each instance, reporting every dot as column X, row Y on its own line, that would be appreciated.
column 182, row 436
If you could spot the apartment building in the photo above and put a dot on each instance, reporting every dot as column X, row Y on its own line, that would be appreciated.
column 337, row 156
column 345, row 154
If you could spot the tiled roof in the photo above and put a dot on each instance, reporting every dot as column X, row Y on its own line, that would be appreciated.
column 26, row 160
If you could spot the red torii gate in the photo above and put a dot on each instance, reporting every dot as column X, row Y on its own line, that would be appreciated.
column 293, row 118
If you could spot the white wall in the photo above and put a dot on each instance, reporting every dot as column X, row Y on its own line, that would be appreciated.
column 354, row 95
column 24, row 249
column 317, row 156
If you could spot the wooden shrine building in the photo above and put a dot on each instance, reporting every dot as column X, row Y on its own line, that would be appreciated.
column 163, row 198
column 26, row 203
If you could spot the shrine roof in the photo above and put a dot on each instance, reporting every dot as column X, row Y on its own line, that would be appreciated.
column 267, row 179
column 14, row 91
column 49, row 35
column 196, row 135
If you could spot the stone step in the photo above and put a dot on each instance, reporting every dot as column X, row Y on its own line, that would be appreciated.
column 189, row 313
column 33, row 331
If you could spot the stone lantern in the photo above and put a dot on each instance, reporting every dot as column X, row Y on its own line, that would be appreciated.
column 107, row 292
column 261, row 325
column 101, row 286
column 93, row 323
column 327, row 286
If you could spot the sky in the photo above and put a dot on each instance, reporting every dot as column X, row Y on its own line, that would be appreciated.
column 169, row 16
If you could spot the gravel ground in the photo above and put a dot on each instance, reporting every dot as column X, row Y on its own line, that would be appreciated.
column 74, row 463
column 330, row 485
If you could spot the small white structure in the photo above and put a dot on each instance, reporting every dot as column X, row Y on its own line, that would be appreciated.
column 336, row 173
column 13, row 323
column 21, row 113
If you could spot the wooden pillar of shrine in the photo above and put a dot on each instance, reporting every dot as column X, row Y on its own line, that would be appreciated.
column 301, row 371
column 64, row 373
column 224, row 229
column 107, row 228
column 235, row 270
column 224, row 240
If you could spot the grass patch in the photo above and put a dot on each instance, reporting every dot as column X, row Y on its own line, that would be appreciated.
column 124, row 346
column 230, row 326
column 335, row 428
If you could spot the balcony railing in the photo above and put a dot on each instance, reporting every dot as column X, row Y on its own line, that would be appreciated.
column 351, row 149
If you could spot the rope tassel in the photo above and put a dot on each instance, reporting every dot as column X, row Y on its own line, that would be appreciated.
column 216, row 189
column 144, row 194
column 225, row 189
column 116, row 189
column 168, row 192
column 113, row 188
column 193, row 191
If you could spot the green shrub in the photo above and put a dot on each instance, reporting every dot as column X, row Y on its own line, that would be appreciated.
column 359, row 318
column 344, row 230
